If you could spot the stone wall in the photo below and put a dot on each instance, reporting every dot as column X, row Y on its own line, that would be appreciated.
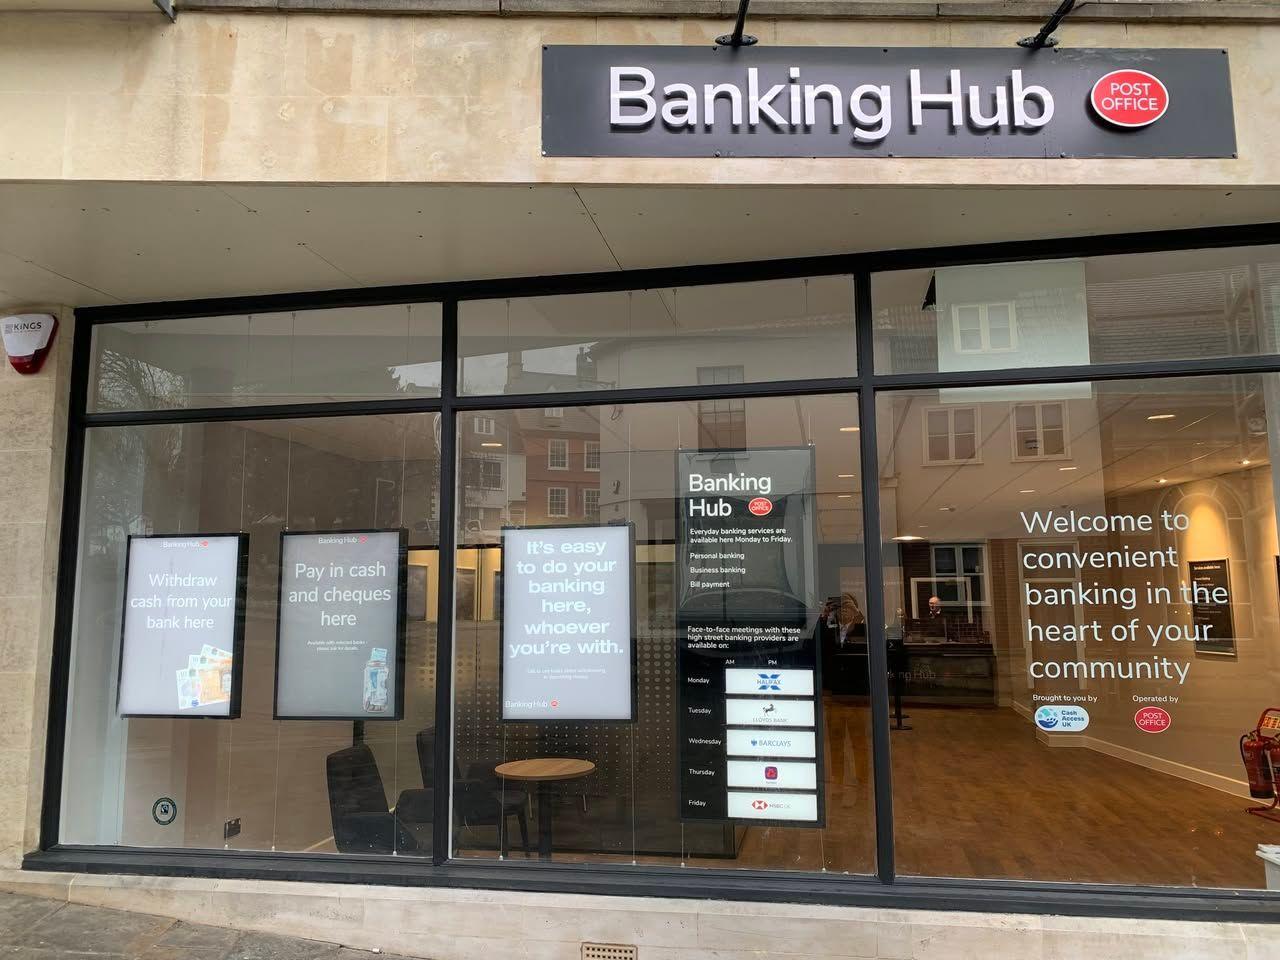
column 33, row 416
column 271, row 97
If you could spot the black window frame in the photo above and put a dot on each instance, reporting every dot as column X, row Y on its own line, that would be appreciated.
column 885, row 888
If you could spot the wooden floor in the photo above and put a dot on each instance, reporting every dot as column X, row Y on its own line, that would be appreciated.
column 977, row 795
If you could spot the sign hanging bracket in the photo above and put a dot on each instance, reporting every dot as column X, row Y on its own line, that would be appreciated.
column 1045, row 37
column 738, row 38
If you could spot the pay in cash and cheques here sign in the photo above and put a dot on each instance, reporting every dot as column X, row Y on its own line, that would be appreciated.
column 711, row 101
column 341, row 629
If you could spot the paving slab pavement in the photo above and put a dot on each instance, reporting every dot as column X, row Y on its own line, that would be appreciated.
column 32, row 928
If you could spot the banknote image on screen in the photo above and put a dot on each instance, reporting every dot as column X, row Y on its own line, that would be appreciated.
column 568, row 623
column 341, row 628
column 182, row 632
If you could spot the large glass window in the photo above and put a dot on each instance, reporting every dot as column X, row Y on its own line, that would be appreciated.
column 770, row 330
column 1173, row 305
column 684, row 745
column 254, row 782
column 660, row 649
column 1081, row 642
column 303, row 356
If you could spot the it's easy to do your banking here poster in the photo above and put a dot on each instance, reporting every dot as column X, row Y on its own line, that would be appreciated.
column 568, row 626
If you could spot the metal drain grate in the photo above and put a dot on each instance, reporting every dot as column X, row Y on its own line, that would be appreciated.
column 608, row 951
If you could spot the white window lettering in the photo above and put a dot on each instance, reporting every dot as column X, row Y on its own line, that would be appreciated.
column 635, row 98
column 987, row 121
column 811, row 95
column 953, row 98
column 681, row 107
column 757, row 104
column 710, row 92
column 871, row 126
column 1035, row 92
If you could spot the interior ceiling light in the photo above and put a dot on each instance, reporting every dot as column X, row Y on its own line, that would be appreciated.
column 844, row 476
column 849, row 429
column 1026, row 491
column 1245, row 462
column 844, row 496
column 1065, row 469
column 907, row 537
column 1162, row 416
column 491, row 443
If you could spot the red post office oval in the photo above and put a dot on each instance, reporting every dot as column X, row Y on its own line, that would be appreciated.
column 1152, row 720
column 1129, row 98
column 760, row 506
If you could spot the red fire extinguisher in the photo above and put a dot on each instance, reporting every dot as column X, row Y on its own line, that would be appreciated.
column 1260, row 751
column 1254, row 752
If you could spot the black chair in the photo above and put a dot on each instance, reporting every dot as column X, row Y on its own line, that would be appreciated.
column 358, row 807
column 480, row 799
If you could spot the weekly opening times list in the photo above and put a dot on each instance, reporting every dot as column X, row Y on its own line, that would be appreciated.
column 750, row 694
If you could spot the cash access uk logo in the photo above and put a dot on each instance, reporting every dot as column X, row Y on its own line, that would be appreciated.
column 1067, row 718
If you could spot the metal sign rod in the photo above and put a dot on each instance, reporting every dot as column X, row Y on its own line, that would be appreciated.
column 1045, row 37
column 738, row 38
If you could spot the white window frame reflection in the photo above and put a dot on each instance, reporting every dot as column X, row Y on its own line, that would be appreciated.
column 558, row 453
column 951, row 459
column 1038, row 405
column 551, row 498
column 984, row 327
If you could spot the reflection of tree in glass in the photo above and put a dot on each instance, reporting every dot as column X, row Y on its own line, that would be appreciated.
column 127, row 383
column 119, row 463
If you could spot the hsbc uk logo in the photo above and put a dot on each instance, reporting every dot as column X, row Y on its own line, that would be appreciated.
column 759, row 804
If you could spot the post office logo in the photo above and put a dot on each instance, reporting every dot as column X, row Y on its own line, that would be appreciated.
column 1129, row 98
column 760, row 506
column 1152, row 720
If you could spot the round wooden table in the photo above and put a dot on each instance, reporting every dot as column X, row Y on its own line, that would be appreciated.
column 544, row 771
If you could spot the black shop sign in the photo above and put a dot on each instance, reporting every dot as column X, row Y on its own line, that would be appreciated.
column 710, row 101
